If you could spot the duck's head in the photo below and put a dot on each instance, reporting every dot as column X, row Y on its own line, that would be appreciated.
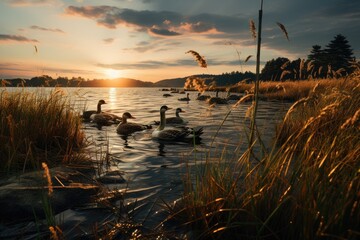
column 179, row 110
column 127, row 115
column 101, row 102
column 164, row 108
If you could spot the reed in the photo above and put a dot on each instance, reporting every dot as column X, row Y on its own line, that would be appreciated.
column 37, row 127
column 306, row 187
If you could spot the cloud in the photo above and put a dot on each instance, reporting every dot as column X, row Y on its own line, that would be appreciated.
column 160, row 23
column 155, row 46
column 152, row 64
column 108, row 40
column 47, row 29
column 16, row 38
column 163, row 32
column 23, row 3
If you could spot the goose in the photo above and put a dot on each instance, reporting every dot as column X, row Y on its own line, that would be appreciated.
column 201, row 97
column 86, row 114
column 185, row 98
column 217, row 99
column 232, row 96
column 177, row 120
column 127, row 128
column 172, row 134
column 99, row 117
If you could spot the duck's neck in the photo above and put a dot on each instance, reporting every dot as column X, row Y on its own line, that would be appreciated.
column 177, row 114
column 98, row 108
column 162, row 120
column 124, row 120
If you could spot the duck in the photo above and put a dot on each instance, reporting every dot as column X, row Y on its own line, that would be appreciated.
column 185, row 98
column 201, row 97
column 177, row 120
column 217, row 100
column 174, row 134
column 167, row 95
column 232, row 97
column 86, row 114
column 99, row 117
column 127, row 128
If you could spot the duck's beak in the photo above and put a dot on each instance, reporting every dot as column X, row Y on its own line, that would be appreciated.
column 133, row 117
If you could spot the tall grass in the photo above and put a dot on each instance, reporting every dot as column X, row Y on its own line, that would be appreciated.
column 306, row 187
column 37, row 127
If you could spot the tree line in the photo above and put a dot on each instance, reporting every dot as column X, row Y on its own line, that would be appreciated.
column 335, row 60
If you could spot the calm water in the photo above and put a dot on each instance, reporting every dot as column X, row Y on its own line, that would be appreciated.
column 154, row 170
column 142, row 159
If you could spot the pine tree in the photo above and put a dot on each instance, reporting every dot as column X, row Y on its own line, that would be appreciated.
column 338, row 54
column 318, row 58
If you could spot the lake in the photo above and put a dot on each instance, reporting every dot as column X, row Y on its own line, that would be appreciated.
column 154, row 170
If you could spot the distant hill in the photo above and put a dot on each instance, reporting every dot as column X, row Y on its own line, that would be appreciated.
column 225, row 79
column 175, row 82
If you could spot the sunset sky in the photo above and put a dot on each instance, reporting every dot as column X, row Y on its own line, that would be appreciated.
column 147, row 39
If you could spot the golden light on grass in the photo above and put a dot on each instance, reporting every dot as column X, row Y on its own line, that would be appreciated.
column 199, row 59
column 47, row 177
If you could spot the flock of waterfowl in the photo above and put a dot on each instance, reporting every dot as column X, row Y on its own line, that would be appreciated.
column 168, row 129
column 176, row 132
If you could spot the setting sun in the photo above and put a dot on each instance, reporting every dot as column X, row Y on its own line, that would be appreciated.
column 112, row 73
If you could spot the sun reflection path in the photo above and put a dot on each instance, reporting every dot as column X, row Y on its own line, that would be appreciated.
column 112, row 98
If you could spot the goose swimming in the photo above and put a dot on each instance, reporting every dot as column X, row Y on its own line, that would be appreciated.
column 185, row 98
column 217, row 99
column 177, row 120
column 127, row 128
column 232, row 97
column 99, row 117
column 201, row 97
column 86, row 114
column 173, row 134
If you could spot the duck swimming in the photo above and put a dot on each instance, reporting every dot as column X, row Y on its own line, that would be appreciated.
column 185, row 98
column 177, row 120
column 217, row 100
column 173, row 134
column 86, row 114
column 127, row 128
column 99, row 117
column 201, row 97
column 232, row 97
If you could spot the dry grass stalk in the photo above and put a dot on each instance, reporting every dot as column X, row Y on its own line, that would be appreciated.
column 252, row 29
column 285, row 65
column 47, row 176
column 199, row 59
column 283, row 29
column 55, row 233
column 196, row 83
column 283, row 74
column 247, row 58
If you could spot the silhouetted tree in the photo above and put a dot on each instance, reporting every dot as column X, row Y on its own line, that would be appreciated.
column 318, row 59
column 273, row 69
column 338, row 54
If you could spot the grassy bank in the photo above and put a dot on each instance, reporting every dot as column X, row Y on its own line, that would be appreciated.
column 37, row 128
column 306, row 188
